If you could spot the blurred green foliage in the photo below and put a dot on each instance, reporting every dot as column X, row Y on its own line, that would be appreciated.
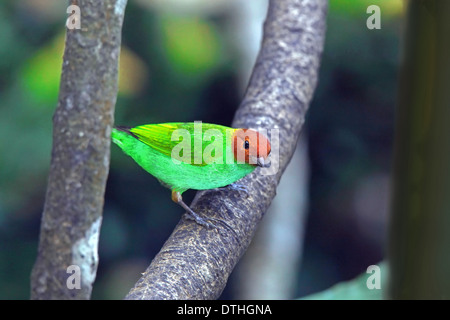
column 192, row 46
column 356, row 289
column 40, row 74
column 184, row 68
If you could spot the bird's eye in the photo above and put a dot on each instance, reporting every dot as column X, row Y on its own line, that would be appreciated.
column 246, row 144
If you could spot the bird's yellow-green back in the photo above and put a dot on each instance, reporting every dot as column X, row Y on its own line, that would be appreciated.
column 184, row 155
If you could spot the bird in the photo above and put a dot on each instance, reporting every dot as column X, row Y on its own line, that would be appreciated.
column 194, row 155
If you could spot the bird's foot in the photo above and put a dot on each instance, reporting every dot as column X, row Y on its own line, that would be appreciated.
column 238, row 187
column 211, row 223
column 190, row 214
column 201, row 221
column 233, row 186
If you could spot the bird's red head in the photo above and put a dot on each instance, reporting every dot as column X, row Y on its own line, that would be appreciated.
column 250, row 146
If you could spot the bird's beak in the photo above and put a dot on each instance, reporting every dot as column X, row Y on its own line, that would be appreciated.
column 262, row 163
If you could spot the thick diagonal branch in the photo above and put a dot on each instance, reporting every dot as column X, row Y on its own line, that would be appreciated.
column 195, row 262
column 80, row 156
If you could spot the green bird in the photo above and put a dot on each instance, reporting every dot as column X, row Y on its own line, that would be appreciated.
column 193, row 155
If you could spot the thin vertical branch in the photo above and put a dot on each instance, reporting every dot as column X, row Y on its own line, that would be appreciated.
column 79, row 167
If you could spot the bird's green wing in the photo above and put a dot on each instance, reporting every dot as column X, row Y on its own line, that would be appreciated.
column 164, row 137
column 157, row 136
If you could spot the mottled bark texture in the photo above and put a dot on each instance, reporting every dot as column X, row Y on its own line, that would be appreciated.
column 79, row 167
column 195, row 262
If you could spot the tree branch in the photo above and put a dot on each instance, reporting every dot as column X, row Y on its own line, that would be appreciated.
column 80, row 156
column 419, row 236
column 195, row 262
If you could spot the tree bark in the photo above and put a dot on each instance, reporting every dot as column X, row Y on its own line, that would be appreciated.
column 79, row 166
column 195, row 262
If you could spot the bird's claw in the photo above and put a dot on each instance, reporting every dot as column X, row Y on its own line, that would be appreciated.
column 238, row 187
column 201, row 221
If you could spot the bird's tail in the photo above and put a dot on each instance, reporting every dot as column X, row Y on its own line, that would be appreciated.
column 119, row 133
